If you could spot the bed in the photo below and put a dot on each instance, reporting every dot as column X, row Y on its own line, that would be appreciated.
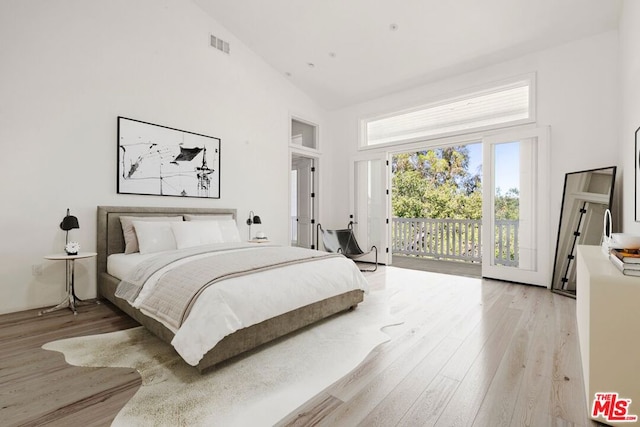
column 246, row 336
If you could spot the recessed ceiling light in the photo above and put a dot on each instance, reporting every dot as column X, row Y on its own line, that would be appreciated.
column 393, row 27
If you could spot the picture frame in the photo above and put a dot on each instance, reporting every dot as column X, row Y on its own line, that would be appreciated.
column 162, row 161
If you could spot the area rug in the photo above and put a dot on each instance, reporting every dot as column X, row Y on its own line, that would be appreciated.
column 260, row 389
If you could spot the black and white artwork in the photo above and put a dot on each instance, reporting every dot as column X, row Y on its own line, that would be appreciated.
column 163, row 161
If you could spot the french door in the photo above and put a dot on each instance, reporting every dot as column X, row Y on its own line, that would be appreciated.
column 369, row 189
column 515, row 247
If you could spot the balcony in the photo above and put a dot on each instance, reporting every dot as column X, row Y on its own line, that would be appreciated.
column 457, row 240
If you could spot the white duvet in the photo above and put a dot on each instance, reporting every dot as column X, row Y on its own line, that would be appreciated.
column 236, row 303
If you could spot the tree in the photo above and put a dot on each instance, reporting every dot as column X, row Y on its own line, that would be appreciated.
column 507, row 205
column 436, row 184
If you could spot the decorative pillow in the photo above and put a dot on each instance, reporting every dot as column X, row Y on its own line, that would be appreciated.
column 196, row 233
column 207, row 217
column 130, row 239
column 229, row 230
column 154, row 236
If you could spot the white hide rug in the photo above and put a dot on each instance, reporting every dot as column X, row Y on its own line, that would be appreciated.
column 260, row 389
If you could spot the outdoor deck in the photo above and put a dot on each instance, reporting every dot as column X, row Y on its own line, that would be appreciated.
column 458, row 268
column 451, row 246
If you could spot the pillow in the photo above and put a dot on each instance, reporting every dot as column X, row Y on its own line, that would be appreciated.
column 154, row 236
column 129, row 233
column 227, row 224
column 209, row 217
column 196, row 233
column 229, row 231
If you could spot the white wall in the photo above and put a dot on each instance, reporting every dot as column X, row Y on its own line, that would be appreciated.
column 577, row 94
column 630, row 94
column 68, row 68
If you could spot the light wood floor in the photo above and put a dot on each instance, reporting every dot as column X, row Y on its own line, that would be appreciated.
column 470, row 352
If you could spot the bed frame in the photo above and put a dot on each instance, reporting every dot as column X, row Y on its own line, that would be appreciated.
column 110, row 240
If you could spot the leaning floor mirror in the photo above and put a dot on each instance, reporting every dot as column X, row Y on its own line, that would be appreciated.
column 587, row 195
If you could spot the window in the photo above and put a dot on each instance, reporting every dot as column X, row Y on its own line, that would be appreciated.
column 303, row 134
column 499, row 106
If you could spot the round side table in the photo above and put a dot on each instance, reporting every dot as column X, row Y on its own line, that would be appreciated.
column 71, row 299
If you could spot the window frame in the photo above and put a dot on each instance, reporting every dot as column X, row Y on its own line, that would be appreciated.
column 316, row 132
column 486, row 89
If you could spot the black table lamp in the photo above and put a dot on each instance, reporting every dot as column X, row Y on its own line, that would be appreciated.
column 253, row 219
column 69, row 222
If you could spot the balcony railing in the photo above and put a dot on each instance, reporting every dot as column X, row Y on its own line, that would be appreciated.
column 453, row 239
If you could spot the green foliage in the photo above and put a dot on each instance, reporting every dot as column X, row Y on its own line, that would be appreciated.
column 507, row 204
column 437, row 184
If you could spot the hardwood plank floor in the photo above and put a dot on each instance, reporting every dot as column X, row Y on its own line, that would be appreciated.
column 37, row 387
column 470, row 352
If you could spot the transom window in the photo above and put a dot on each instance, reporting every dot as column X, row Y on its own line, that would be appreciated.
column 503, row 105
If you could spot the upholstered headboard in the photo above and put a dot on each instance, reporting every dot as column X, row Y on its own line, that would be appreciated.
column 109, row 234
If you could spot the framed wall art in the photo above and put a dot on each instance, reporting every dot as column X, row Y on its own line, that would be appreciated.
column 162, row 161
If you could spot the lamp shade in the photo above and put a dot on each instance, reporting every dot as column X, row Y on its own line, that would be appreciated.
column 69, row 222
column 253, row 219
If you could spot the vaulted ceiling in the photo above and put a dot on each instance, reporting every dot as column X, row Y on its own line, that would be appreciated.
column 341, row 52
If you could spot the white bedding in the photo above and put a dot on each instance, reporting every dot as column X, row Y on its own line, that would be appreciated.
column 119, row 265
column 239, row 302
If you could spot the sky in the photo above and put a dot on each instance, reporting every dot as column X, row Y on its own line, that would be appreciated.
column 507, row 164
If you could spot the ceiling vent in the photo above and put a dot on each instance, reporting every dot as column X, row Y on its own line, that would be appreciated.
column 219, row 44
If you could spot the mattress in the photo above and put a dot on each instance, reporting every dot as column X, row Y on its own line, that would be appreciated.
column 243, row 301
column 119, row 265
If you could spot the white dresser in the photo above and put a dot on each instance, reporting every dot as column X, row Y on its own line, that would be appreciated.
column 608, row 314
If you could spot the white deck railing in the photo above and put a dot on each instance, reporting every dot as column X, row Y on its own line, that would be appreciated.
column 453, row 239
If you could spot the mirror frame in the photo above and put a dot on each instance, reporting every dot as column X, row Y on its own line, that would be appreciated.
column 562, row 213
column 636, row 165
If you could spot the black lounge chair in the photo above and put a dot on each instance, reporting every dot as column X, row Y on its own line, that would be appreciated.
column 344, row 242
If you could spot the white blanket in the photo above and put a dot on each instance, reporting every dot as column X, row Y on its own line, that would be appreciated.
column 243, row 301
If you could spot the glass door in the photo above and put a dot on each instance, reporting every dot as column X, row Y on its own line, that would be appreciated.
column 369, row 204
column 515, row 207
